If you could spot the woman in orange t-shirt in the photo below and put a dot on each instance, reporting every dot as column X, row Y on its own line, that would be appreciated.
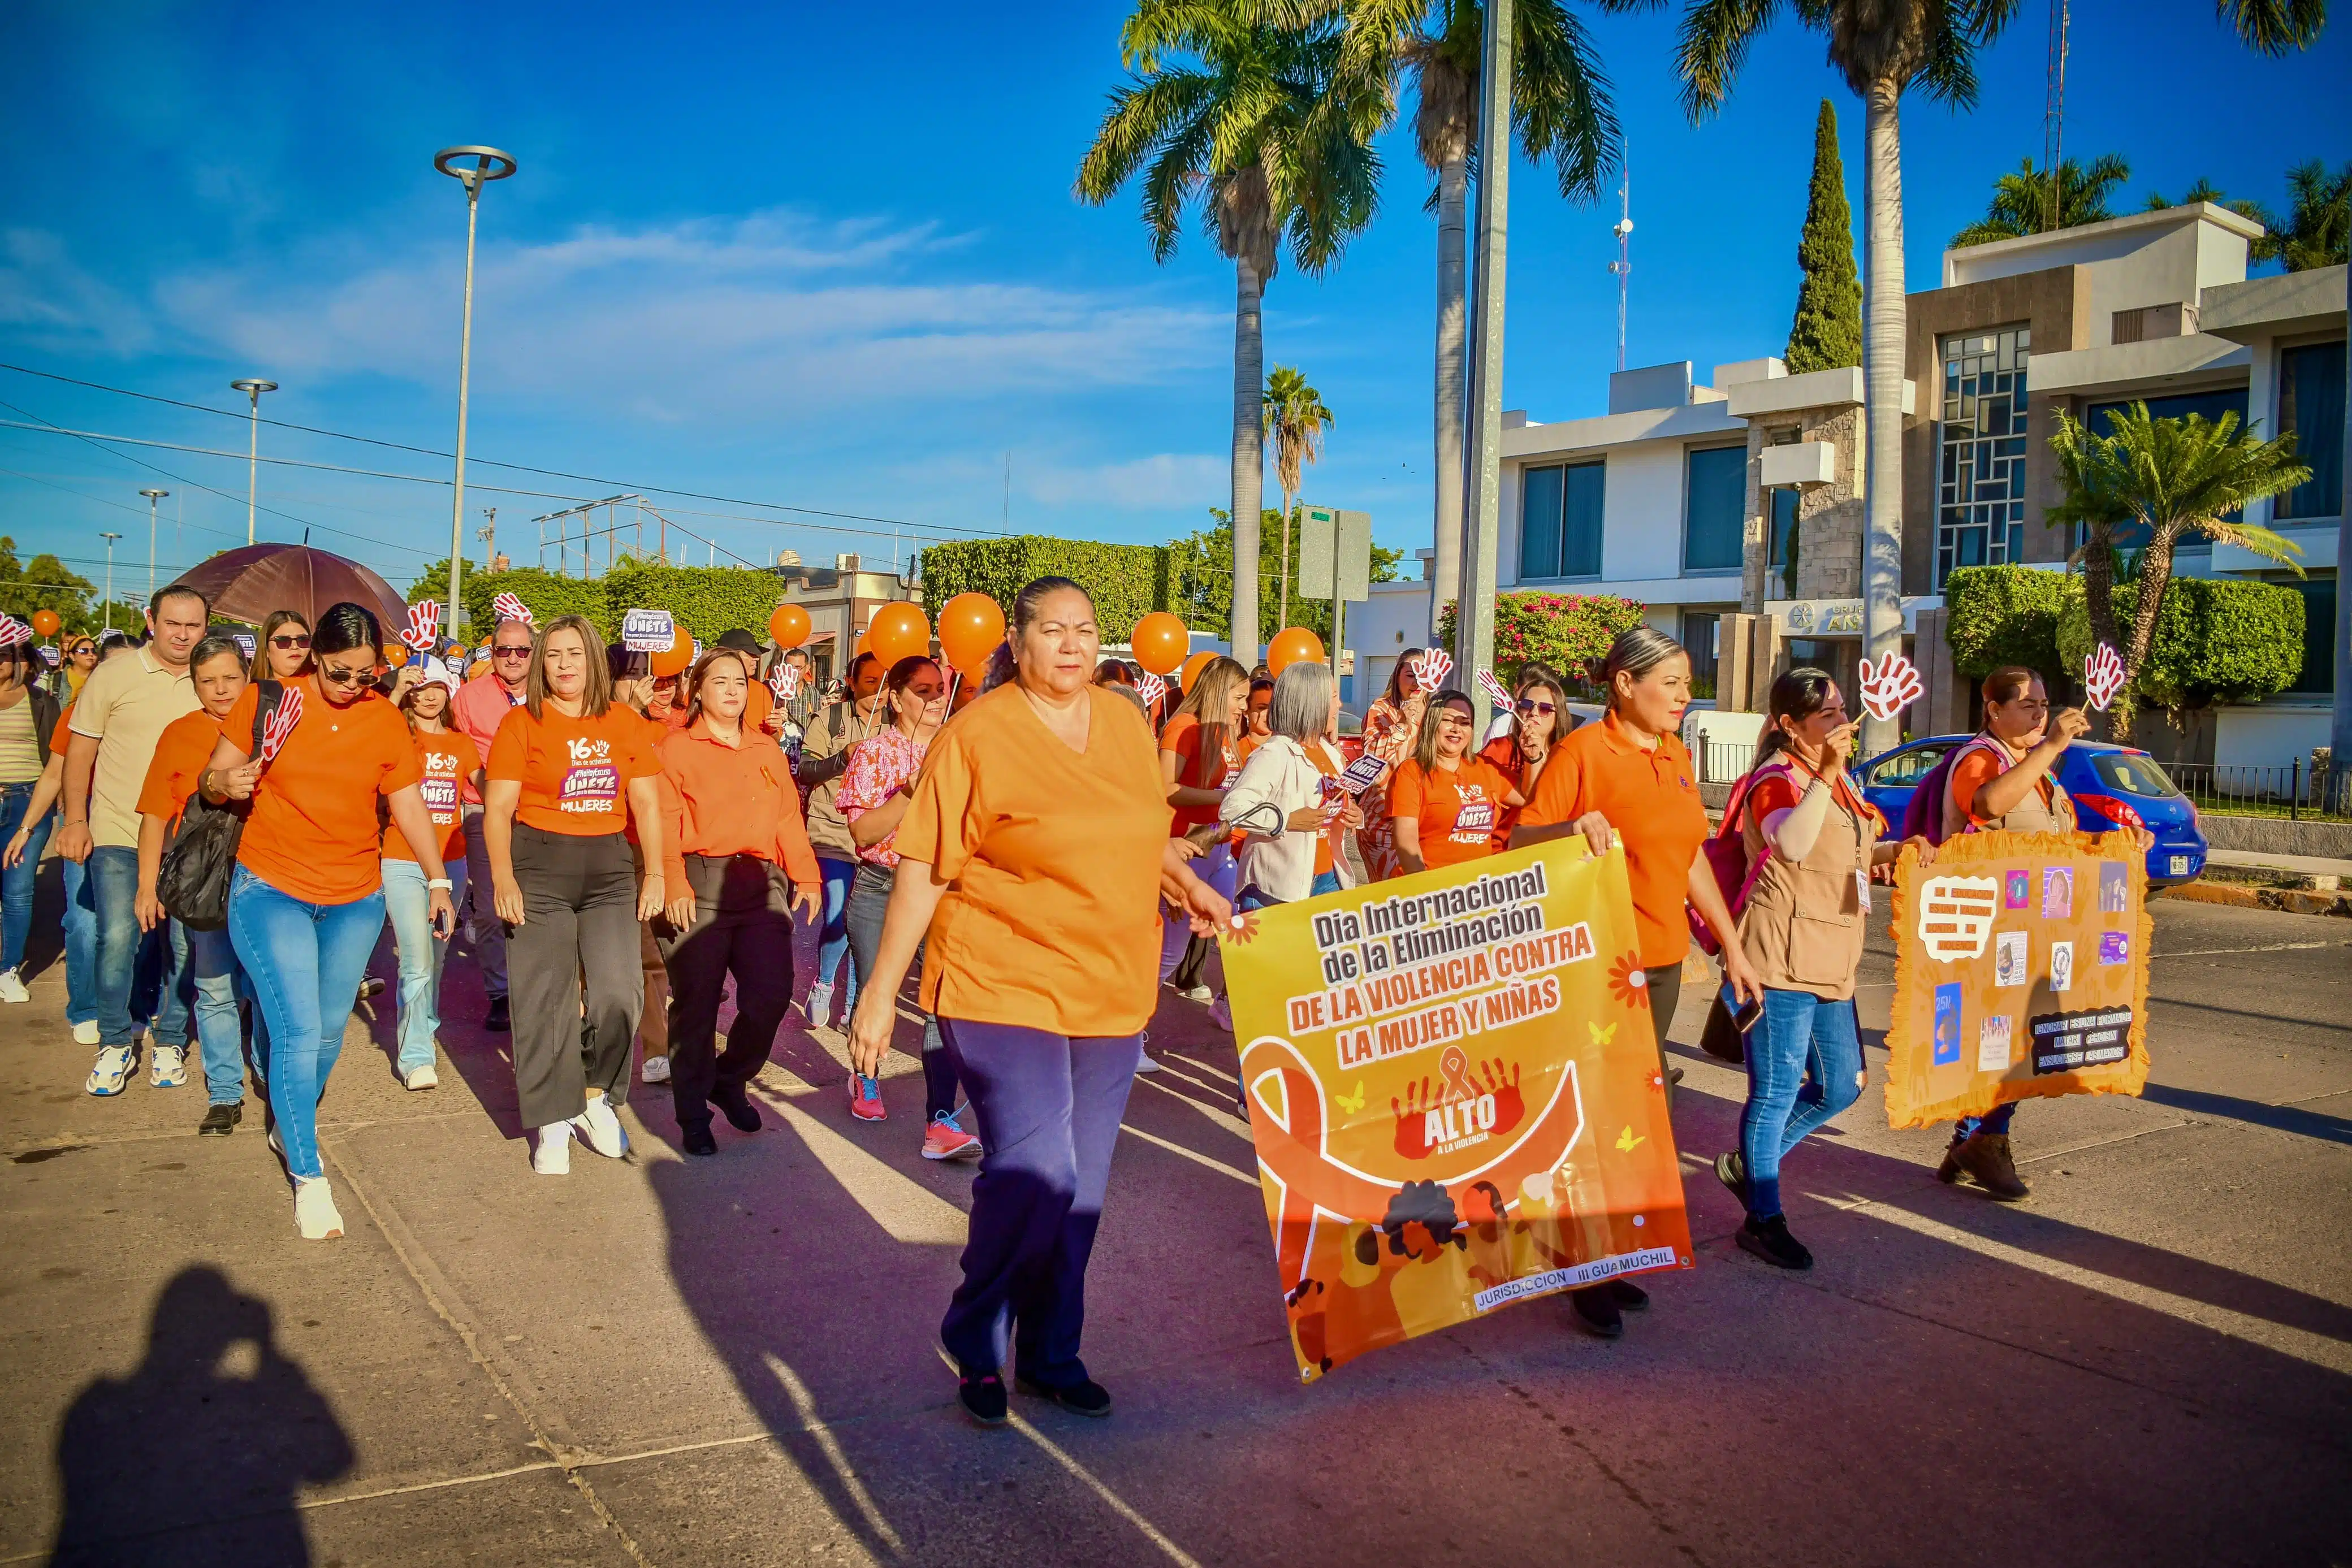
column 1200, row 757
column 449, row 764
column 201, row 985
column 1390, row 726
column 569, row 769
column 1032, row 859
column 1539, row 722
column 307, row 904
column 1444, row 801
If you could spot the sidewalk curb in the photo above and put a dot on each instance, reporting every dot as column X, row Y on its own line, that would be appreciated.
column 2288, row 900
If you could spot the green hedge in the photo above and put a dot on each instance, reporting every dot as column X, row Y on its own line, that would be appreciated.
column 1128, row 582
column 706, row 601
column 2007, row 615
column 2217, row 640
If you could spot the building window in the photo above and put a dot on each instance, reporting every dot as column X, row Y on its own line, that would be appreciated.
column 2311, row 407
column 1714, row 505
column 2318, row 676
column 1980, row 470
column 1701, row 632
column 2100, row 420
column 1559, row 520
column 1780, row 563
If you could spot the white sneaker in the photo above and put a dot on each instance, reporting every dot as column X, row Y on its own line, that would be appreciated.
column 655, row 1069
column 86, row 1032
column 818, row 1007
column 1196, row 993
column 553, row 1155
column 1143, row 1063
column 1220, row 1013
column 167, row 1066
column 601, row 1129
column 112, row 1067
column 314, row 1210
column 420, row 1078
column 12, row 987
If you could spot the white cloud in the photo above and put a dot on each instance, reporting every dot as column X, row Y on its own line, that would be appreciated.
column 1165, row 481
column 53, row 302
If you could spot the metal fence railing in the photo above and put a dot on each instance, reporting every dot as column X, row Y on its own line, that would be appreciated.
column 2294, row 791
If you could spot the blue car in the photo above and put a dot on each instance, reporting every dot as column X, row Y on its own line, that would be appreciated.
column 2113, row 786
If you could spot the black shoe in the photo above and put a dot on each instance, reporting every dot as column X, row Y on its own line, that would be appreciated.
column 1731, row 1170
column 1630, row 1297
column 1673, row 1075
column 496, row 1020
column 1595, row 1309
column 742, row 1114
column 1769, row 1239
column 1084, row 1398
column 983, row 1398
column 698, row 1140
column 220, row 1121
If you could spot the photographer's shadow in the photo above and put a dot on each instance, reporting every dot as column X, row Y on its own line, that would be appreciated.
column 196, row 1457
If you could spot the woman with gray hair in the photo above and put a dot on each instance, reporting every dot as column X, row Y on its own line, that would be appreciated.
column 1287, row 804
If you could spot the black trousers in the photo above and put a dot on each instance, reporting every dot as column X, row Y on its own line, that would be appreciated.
column 580, row 920
column 1665, row 988
column 743, row 928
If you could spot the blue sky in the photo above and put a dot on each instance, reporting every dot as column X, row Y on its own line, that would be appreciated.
column 827, row 256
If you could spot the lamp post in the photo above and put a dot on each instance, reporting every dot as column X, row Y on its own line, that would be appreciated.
column 152, row 496
column 107, row 615
column 471, row 167
column 252, row 387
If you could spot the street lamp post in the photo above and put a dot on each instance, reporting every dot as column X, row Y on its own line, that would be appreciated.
column 107, row 615
column 471, row 167
column 253, row 387
column 152, row 496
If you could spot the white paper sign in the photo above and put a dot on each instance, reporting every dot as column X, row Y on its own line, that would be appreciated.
column 1891, row 686
column 647, row 631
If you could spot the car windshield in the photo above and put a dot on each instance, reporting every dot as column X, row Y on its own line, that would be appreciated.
column 1908, row 767
column 2133, row 773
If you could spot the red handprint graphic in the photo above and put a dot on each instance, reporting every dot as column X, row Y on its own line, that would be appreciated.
column 424, row 625
column 281, row 722
column 2103, row 675
column 1412, row 1118
column 1890, row 687
column 1508, row 1106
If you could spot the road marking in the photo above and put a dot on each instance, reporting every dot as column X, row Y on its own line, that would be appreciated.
column 815, row 1427
column 1223, row 1118
column 909, row 1211
column 1194, row 1156
column 1119, row 1504
column 2266, row 947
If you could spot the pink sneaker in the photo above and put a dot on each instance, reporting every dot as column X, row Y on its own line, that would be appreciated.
column 943, row 1140
column 865, row 1098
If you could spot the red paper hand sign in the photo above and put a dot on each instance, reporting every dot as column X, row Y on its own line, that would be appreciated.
column 423, row 622
column 2103, row 675
column 13, row 631
column 281, row 722
column 1430, row 670
column 507, row 607
column 1891, row 687
column 1152, row 689
column 1492, row 685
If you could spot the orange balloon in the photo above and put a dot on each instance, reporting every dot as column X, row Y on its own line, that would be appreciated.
column 1160, row 641
column 972, row 626
column 865, row 645
column 1192, row 668
column 669, row 661
column 789, row 627
column 46, row 622
column 899, row 630
column 1290, row 646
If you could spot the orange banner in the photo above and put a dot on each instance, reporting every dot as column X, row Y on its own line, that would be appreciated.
column 1453, row 1089
column 2021, row 972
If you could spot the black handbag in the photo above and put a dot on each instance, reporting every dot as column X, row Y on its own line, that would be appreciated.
column 200, row 862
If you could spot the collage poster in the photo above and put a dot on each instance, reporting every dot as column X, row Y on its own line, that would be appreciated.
column 1453, row 1091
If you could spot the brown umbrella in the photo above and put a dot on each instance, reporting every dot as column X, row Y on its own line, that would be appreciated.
column 247, row 584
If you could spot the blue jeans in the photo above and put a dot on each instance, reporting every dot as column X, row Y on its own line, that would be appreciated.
column 129, row 962
column 1218, row 869
column 833, row 938
column 409, row 903
column 1048, row 1110
column 16, row 882
column 1803, row 1057
column 1252, row 898
column 81, row 942
column 203, row 979
column 305, row 962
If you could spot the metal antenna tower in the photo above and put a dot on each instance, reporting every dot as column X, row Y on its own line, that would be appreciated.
column 2053, row 110
column 1623, row 266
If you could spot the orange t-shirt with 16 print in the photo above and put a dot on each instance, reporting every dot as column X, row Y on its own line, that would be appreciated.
column 1456, row 811
column 574, row 772
column 447, row 760
column 313, row 831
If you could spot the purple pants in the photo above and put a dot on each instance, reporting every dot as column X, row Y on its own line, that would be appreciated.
column 1048, row 1110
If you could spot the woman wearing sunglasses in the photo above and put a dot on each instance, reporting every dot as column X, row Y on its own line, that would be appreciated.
column 307, row 904
column 1537, row 722
column 283, row 653
column 80, row 659
column 1445, row 800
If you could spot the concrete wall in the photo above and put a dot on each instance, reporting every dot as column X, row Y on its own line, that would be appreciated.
column 2269, row 734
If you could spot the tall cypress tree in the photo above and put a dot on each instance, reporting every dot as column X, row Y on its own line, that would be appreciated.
column 1827, row 332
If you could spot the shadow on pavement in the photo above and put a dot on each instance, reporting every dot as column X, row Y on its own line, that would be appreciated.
column 2229, row 1107
column 196, row 1457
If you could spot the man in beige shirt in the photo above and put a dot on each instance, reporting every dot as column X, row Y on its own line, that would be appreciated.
column 124, row 708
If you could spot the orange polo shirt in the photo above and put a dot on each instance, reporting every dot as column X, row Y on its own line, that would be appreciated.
column 728, row 801
column 1051, row 916
column 1651, row 799
column 313, row 831
column 448, row 763
column 182, row 753
column 1456, row 811
column 574, row 772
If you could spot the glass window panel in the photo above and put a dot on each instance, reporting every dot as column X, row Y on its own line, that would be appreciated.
column 2318, row 676
column 1580, row 547
column 1539, row 522
column 2311, row 408
column 1716, row 498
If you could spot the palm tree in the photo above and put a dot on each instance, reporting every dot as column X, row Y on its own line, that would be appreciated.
column 2020, row 201
column 2178, row 479
column 1561, row 111
column 2312, row 233
column 1241, row 105
column 1296, row 419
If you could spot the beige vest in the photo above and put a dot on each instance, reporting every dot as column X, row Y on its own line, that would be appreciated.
column 1804, row 925
column 2029, row 815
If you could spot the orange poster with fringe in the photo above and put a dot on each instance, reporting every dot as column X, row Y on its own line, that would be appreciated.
column 2020, row 973
column 1453, row 1090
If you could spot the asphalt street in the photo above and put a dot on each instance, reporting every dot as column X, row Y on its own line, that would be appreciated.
column 733, row 1360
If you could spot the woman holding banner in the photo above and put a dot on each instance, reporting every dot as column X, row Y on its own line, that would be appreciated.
column 1628, row 779
column 1444, row 801
column 1034, row 855
column 1812, row 840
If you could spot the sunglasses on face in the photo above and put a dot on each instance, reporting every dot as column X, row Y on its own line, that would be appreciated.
column 521, row 652
column 86, row 651
column 289, row 640
column 1529, row 706
column 349, row 674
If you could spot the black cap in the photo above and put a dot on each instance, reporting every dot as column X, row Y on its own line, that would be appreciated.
column 742, row 642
